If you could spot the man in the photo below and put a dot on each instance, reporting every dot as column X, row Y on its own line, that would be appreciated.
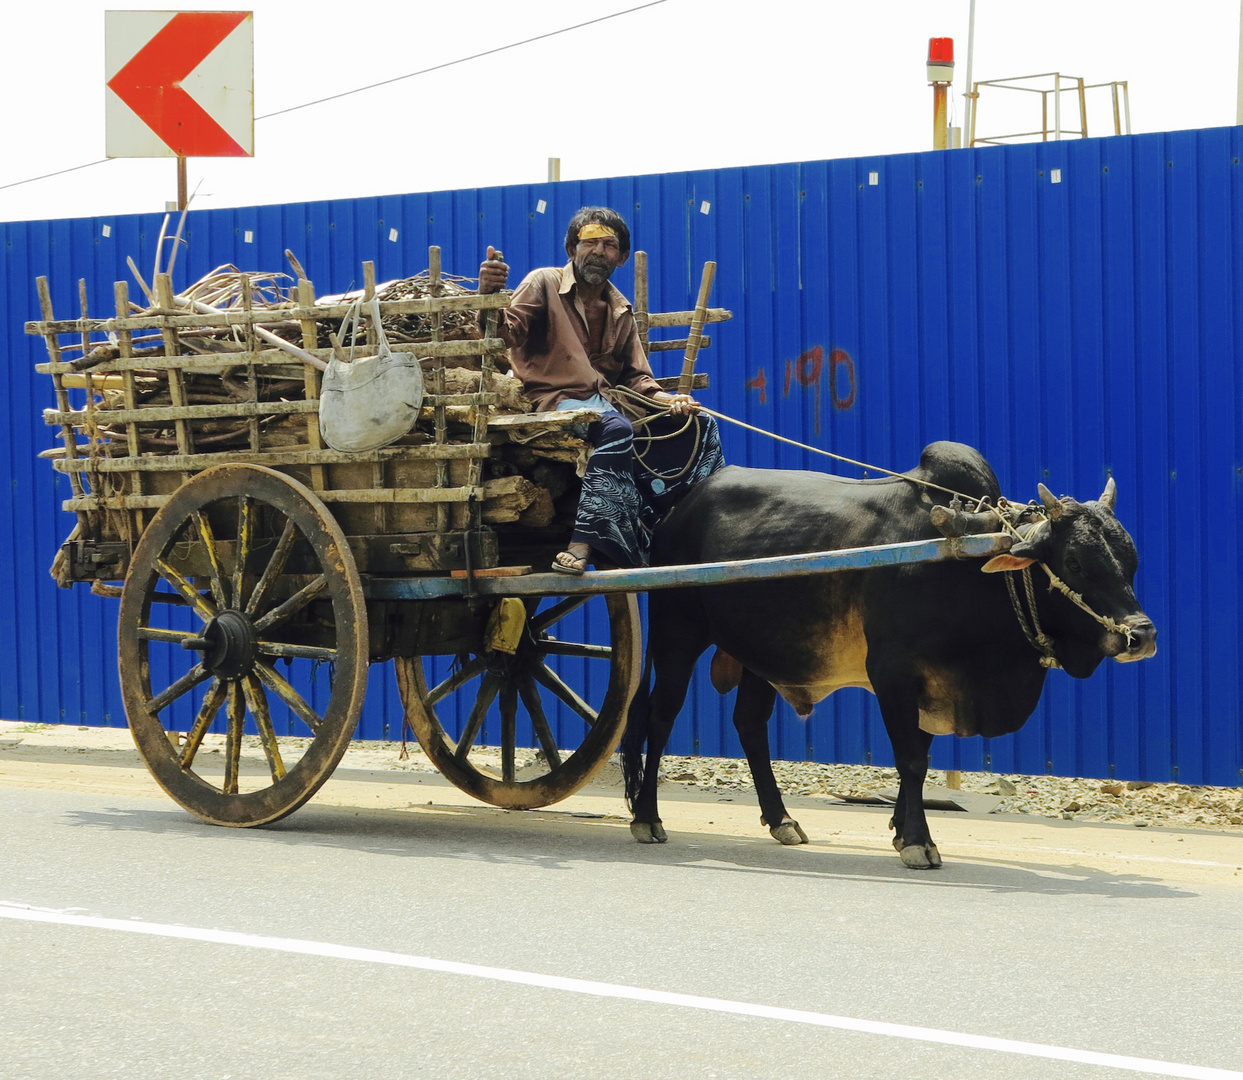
column 574, row 344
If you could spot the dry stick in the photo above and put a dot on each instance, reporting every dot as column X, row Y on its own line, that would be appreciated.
column 307, row 358
column 172, row 258
column 159, row 248
column 297, row 268
column 697, row 324
column 252, row 379
column 133, row 269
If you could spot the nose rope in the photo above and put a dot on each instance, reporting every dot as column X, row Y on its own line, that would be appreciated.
column 1057, row 583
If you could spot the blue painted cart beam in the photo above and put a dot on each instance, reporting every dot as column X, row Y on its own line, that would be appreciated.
column 647, row 578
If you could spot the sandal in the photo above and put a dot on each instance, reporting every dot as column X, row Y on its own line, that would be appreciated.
column 567, row 562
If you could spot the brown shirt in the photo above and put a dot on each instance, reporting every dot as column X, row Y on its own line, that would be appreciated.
column 545, row 328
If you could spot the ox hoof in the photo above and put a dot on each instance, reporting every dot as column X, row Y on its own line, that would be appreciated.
column 789, row 832
column 648, row 832
column 921, row 856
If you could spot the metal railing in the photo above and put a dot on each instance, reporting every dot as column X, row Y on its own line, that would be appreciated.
column 1060, row 84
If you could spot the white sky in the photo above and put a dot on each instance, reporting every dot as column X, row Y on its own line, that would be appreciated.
column 681, row 85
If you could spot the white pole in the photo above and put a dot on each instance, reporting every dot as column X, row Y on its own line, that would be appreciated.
column 970, row 106
column 1238, row 112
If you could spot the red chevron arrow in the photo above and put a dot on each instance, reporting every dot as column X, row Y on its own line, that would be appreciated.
column 150, row 83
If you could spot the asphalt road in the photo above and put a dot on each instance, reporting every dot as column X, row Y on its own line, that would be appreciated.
column 445, row 941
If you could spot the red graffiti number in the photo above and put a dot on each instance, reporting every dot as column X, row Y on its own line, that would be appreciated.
column 839, row 359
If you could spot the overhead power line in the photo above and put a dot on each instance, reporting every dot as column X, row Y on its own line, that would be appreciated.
column 384, row 82
column 59, row 172
column 462, row 60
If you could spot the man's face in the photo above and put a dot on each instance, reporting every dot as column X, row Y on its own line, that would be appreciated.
column 596, row 259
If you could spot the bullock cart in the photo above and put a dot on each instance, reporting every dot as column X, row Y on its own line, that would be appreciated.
column 260, row 572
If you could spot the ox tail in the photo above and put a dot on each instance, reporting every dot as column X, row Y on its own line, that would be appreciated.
column 635, row 736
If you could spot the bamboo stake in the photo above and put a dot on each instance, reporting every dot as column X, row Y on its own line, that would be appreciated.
column 641, row 312
column 120, row 293
column 440, row 423
column 310, row 374
column 697, row 325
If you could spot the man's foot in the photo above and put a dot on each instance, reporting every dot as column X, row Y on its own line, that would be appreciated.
column 573, row 560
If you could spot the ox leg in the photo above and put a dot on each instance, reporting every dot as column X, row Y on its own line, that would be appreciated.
column 673, row 677
column 910, row 753
column 753, row 708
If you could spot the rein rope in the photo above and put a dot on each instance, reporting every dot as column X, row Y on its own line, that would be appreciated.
column 1030, row 625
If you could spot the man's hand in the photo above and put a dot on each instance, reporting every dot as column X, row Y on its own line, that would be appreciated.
column 679, row 404
column 493, row 272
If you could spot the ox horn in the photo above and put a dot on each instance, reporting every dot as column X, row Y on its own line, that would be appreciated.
column 1110, row 495
column 1051, row 504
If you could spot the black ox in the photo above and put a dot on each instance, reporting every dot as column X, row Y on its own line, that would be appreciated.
column 939, row 644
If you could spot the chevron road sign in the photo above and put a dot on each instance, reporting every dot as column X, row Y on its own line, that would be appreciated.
column 179, row 83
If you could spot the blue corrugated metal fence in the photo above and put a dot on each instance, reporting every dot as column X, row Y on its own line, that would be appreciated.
column 1068, row 308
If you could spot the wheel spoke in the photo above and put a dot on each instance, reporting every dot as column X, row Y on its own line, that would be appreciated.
column 293, row 605
column 184, row 685
column 213, row 558
column 557, row 612
column 509, row 729
column 488, row 690
column 306, row 652
column 233, row 738
column 245, row 534
column 544, row 674
column 257, row 700
column 154, row 633
column 575, row 648
column 203, row 607
column 535, row 709
column 290, row 696
column 275, row 567
column 460, row 677
column 207, row 713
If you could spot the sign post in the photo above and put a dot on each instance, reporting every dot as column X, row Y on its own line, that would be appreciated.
column 179, row 84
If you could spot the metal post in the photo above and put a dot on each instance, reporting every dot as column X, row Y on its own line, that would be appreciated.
column 940, row 132
column 182, row 184
column 554, row 169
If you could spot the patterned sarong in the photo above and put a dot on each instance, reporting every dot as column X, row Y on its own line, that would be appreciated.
column 624, row 497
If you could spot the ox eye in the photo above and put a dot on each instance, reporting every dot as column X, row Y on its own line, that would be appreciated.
column 1072, row 565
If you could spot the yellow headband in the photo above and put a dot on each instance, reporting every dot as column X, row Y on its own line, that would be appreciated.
column 594, row 231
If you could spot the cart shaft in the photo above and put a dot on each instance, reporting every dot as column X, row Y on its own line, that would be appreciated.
column 646, row 578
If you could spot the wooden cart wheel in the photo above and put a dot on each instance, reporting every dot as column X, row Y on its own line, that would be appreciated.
column 242, row 571
column 529, row 679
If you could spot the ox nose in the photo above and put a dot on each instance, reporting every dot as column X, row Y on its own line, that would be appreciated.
column 1143, row 642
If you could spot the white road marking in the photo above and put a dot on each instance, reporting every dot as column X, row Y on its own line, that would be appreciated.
column 10, row 910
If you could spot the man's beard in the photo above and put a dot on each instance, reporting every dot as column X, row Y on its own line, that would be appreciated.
column 592, row 271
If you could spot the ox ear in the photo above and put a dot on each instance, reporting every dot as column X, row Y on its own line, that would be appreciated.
column 1053, row 505
column 1001, row 563
column 1110, row 495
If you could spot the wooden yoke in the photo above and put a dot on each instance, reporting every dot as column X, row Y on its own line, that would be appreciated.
column 697, row 324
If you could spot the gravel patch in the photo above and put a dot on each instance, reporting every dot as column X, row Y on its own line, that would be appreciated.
column 1135, row 802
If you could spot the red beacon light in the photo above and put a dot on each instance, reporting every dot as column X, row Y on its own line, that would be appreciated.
column 940, row 60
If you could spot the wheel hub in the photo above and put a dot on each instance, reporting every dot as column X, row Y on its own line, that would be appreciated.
column 231, row 645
